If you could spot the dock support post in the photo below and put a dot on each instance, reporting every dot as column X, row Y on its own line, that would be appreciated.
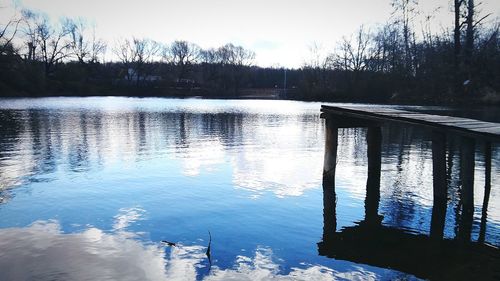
column 331, row 143
column 374, row 141
column 487, row 190
column 440, row 190
column 467, row 162
column 329, row 196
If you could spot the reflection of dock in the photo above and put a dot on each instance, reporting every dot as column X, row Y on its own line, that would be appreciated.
column 415, row 254
column 424, row 256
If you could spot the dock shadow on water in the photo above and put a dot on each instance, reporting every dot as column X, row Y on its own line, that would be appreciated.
column 126, row 189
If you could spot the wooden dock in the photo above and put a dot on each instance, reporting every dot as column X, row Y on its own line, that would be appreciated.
column 467, row 132
column 352, row 115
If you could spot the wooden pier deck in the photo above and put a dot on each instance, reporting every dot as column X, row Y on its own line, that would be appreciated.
column 458, row 125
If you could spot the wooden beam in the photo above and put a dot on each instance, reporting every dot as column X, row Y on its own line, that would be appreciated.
column 342, row 121
column 331, row 143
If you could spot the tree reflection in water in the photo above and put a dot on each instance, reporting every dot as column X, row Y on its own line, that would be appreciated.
column 251, row 170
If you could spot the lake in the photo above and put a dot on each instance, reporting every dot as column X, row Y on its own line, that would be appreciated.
column 90, row 187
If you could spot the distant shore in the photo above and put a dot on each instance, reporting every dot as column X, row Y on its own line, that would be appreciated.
column 269, row 94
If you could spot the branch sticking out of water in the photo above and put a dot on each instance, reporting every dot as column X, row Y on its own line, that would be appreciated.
column 171, row 244
column 209, row 256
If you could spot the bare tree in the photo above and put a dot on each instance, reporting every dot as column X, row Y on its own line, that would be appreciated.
column 235, row 55
column 385, row 51
column 457, row 43
column 85, row 46
column 209, row 59
column 30, row 22
column 137, row 55
column 316, row 69
column 183, row 55
column 405, row 11
column 242, row 56
column 469, row 33
column 79, row 46
column 51, row 41
column 54, row 45
column 353, row 52
column 8, row 32
column 125, row 52
column 318, row 57
column 97, row 47
column 472, row 24
column 233, row 59
column 209, row 56
column 465, row 69
column 426, row 26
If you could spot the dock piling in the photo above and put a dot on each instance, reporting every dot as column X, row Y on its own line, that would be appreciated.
column 465, row 130
column 330, row 163
column 331, row 143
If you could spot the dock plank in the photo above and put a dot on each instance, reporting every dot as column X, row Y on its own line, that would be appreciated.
column 460, row 125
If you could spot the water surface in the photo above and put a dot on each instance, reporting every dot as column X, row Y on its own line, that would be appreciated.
column 89, row 187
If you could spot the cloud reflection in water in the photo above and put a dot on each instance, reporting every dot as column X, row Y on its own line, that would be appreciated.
column 42, row 251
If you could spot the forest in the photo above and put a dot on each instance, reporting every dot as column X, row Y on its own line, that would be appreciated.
column 396, row 62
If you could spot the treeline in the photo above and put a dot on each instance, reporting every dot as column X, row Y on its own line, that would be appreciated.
column 67, row 58
column 392, row 63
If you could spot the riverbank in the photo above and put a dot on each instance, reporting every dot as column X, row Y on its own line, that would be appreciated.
column 488, row 98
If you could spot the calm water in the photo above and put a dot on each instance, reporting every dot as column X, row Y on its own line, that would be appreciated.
column 89, row 187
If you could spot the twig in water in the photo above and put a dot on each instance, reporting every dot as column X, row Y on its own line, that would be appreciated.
column 171, row 244
column 209, row 256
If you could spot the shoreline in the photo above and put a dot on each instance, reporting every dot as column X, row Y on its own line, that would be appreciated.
column 461, row 102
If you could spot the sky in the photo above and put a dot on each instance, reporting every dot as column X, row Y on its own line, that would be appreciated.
column 280, row 32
